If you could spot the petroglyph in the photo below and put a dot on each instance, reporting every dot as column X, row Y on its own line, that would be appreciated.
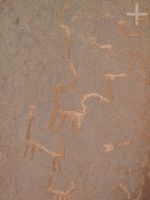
column 94, row 42
column 57, row 194
column 107, row 81
column 68, row 39
column 125, row 190
column 75, row 117
column 57, row 91
column 68, row 31
column 88, row 40
column 60, row 88
column 91, row 40
column 108, row 147
column 114, row 76
column 56, row 157
column 124, row 30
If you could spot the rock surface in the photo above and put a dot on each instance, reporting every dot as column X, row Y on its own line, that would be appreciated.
column 74, row 102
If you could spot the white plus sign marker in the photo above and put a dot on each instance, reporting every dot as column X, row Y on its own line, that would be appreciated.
column 137, row 14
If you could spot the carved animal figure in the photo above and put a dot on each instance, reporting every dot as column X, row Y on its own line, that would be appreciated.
column 75, row 117
column 56, row 157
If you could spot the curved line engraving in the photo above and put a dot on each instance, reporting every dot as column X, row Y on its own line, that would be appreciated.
column 94, row 42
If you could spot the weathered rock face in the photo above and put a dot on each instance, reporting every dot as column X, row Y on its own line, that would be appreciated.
column 74, row 101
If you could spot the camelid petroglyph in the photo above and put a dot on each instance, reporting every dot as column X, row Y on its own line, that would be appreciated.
column 75, row 117
column 68, row 32
column 56, row 157
column 114, row 76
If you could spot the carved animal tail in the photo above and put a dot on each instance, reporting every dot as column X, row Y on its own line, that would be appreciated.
column 89, row 95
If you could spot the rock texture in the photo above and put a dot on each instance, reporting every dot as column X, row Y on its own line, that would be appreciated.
column 74, row 101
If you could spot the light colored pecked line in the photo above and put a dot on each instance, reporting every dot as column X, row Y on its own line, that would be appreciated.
column 91, row 40
column 113, row 76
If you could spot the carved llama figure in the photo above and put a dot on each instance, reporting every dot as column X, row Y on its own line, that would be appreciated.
column 56, row 157
column 75, row 117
